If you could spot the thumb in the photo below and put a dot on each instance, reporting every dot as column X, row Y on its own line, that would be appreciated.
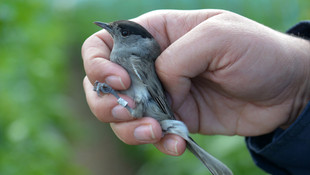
column 186, row 58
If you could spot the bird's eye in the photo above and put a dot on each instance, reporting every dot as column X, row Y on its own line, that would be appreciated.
column 125, row 33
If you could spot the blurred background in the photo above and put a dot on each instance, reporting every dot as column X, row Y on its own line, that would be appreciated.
column 46, row 127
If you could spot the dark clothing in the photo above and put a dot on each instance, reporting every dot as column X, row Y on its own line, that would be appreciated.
column 286, row 151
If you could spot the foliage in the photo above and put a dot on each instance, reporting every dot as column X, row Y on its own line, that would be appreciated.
column 36, row 128
column 39, row 43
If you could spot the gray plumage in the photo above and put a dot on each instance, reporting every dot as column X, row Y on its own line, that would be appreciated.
column 136, row 50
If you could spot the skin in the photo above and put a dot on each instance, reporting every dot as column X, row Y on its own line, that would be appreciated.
column 225, row 74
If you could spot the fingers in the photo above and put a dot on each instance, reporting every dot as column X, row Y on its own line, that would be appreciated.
column 148, row 130
column 139, row 131
column 105, row 107
column 95, row 53
column 129, row 130
column 172, row 145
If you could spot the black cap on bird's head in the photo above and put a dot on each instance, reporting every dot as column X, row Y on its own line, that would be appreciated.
column 125, row 28
column 130, row 38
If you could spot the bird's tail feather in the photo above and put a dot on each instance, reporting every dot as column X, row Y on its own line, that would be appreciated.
column 215, row 166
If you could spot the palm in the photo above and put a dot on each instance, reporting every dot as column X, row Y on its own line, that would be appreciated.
column 245, row 97
column 249, row 92
column 218, row 112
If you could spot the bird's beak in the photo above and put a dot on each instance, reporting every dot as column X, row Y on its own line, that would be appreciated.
column 105, row 26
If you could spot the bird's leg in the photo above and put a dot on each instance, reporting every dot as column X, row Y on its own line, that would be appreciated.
column 106, row 89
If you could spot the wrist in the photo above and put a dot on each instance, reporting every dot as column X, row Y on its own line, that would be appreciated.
column 300, row 55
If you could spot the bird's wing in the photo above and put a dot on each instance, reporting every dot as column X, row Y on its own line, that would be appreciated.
column 153, row 84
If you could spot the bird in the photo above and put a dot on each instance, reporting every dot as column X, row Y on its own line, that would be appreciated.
column 136, row 50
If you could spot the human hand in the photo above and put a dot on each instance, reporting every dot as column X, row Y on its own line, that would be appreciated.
column 225, row 74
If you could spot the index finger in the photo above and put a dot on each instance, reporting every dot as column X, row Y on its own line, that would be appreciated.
column 96, row 53
column 167, row 26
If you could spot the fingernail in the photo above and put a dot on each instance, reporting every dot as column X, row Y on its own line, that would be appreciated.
column 115, row 80
column 144, row 133
column 120, row 113
column 171, row 146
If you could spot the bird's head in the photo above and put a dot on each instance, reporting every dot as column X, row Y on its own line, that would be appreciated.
column 129, row 36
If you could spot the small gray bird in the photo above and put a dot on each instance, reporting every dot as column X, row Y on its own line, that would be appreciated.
column 136, row 50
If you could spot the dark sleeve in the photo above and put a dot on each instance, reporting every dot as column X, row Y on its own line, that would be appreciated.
column 285, row 151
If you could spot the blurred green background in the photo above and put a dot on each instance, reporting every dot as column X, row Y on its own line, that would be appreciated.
column 46, row 127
